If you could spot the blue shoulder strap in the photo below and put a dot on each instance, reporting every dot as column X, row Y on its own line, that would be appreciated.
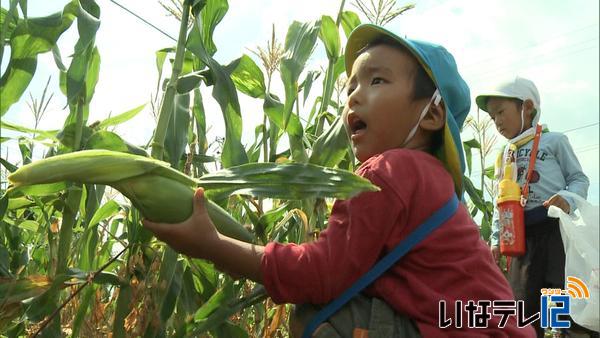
column 434, row 221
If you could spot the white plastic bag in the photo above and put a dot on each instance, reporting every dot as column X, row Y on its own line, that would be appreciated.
column 580, row 237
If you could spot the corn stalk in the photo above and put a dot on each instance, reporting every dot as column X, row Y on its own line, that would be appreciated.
column 167, row 104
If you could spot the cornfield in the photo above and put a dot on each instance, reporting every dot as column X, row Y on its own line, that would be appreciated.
column 74, row 258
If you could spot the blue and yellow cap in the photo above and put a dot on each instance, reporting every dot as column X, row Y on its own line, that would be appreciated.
column 441, row 67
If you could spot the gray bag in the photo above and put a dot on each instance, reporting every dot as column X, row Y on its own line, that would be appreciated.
column 372, row 315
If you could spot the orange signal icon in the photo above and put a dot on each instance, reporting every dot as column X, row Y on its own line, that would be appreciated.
column 577, row 289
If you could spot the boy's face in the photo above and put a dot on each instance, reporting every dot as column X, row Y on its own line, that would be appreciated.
column 506, row 114
column 380, row 110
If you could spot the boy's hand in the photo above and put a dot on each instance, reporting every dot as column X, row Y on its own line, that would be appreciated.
column 558, row 201
column 496, row 253
column 192, row 237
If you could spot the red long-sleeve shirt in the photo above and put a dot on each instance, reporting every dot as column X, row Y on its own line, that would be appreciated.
column 452, row 263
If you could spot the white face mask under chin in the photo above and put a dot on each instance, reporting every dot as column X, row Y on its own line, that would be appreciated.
column 435, row 98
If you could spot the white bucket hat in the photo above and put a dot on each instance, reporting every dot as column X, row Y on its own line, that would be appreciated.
column 517, row 88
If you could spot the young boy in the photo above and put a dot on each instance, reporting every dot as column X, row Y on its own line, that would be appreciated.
column 514, row 106
column 406, row 102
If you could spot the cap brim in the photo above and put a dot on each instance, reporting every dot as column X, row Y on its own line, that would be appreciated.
column 365, row 34
column 482, row 100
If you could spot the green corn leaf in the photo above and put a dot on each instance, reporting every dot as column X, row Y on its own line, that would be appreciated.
column 285, row 181
column 88, row 247
column 28, row 39
column 107, row 210
column 25, row 149
column 189, row 82
column 331, row 147
column 110, row 141
column 468, row 157
column 474, row 194
column 349, row 21
column 38, row 35
column 467, row 146
column 4, row 206
column 275, row 112
column 226, row 95
column 172, row 294
column 124, row 117
column 68, row 135
column 339, row 68
column 473, row 143
column 92, row 75
column 247, row 76
column 122, row 309
column 15, row 80
column 299, row 44
column 86, row 57
column 212, row 13
column 485, row 229
column 9, row 166
column 189, row 300
column 29, row 225
column 166, row 295
column 58, row 61
column 11, row 25
column 307, row 83
column 219, row 299
column 231, row 330
column 276, row 214
column 82, row 309
column 330, row 37
column 106, row 140
column 177, row 133
column 489, row 172
column 222, row 306
column 161, row 56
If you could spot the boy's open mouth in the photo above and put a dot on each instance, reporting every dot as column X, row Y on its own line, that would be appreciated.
column 356, row 124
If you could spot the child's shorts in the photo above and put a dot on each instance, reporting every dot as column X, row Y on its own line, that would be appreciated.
column 362, row 315
column 543, row 265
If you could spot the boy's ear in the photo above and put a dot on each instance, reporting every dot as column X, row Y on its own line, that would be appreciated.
column 528, row 107
column 435, row 118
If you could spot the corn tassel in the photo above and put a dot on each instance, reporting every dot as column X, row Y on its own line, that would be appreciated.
column 161, row 193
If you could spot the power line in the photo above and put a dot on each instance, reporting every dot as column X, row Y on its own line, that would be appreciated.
column 143, row 20
column 472, row 64
column 586, row 148
column 533, row 62
column 577, row 128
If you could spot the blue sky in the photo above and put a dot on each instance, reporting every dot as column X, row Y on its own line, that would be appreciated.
column 554, row 43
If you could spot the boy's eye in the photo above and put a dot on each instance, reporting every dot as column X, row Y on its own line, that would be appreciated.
column 377, row 80
column 349, row 91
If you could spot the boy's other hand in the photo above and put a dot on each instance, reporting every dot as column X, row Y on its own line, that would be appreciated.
column 496, row 253
column 558, row 201
column 191, row 237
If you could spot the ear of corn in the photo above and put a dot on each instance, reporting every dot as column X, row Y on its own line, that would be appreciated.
column 93, row 166
column 160, row 193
